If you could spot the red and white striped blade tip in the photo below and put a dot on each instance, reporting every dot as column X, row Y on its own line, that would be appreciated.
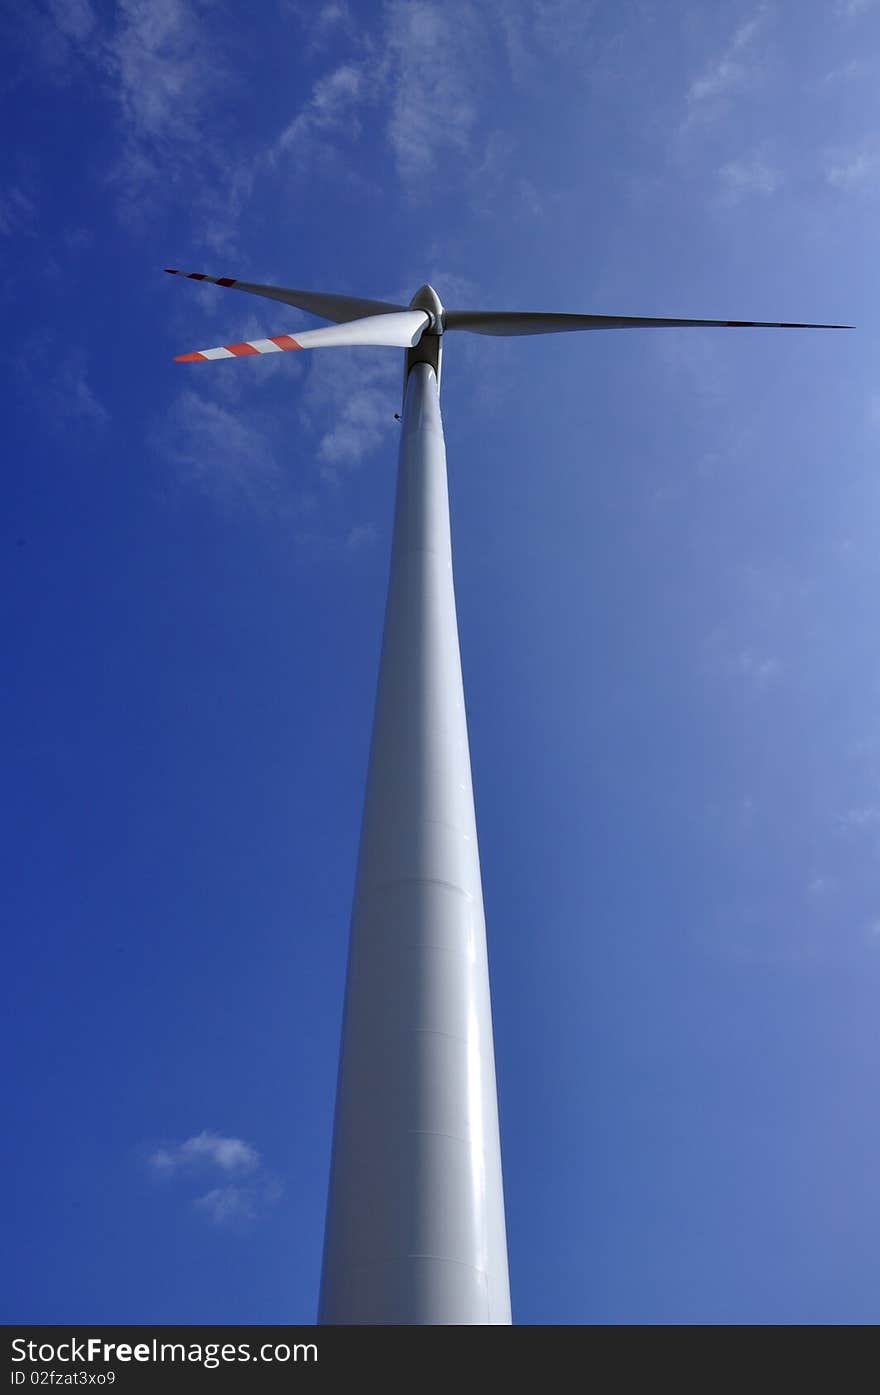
column 401, row 330
column 200, row 276
column 276, row 343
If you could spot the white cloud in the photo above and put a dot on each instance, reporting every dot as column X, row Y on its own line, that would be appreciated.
column 327, row 23
column 435, row 83
column 331, row 16
column 236, row 1206
column 163, row 64
column 223, row 1205
column 429, row 72
column 732, row 69
column 350, row 399
column 77, row 239
column 219, row 451
column 855, row 170
column 166, row 75
column 246, row 1188
column 860, row 818
column 530, row 198
column 230, row 1155
column 755, row 671
column 741, row 179
column 760, row 670
column 359, row 429
column 75, row 18
column 453, row 289
column 69, row 399
column 320, row 25
column 423, row 67
column 17, row 211
column 224, row 446
column 852, row 71
column 559, row 30
column 159, row 63
column 360, row 537
column 818, row 887
column 56, row 381
column 331, row 107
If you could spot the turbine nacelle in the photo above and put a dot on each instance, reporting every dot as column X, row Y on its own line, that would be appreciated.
column 429, row 348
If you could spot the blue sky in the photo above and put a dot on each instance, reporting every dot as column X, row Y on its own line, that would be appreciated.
column 667, row 566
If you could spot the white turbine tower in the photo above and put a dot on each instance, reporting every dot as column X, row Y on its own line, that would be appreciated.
column 415, row 1217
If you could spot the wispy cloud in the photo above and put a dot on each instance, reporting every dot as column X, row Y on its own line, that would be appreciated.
column 232, row 1203
column 423, row 75
column 225, row 452
column 360, row 537
column 160, row 65
column 433, row 97
column 320, row 545
column 68, row 398
column 818, row 887
column 760, row 670
column 17, row 211
column 854, row 70
column 219, row 438
column 235, row 1206
column 418, row 67
column 75, row 18
column 225, row 1205
column 852, row 9
column 231, row 1155
column 332, row 107
column 730, row 70
column 164, row 66
column 564, row 31
column 427, row 72
column 748, row 667
column 747, row 178
column 219, row 451
column 356, row 393
column 328, row 22
column 860, row 818
column 77, row 239
column 332, row 113
column 165, row 74
column 854, row 170
column 530, row 198
column 320, row 24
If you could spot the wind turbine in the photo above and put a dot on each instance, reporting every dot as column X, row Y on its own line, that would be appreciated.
column 415, row 1228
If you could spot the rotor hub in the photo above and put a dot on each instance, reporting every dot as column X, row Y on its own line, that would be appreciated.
column 427, row 299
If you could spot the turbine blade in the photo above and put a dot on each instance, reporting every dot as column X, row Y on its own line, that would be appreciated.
column 321, row 303
column 396, row 331
column 507, row 322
